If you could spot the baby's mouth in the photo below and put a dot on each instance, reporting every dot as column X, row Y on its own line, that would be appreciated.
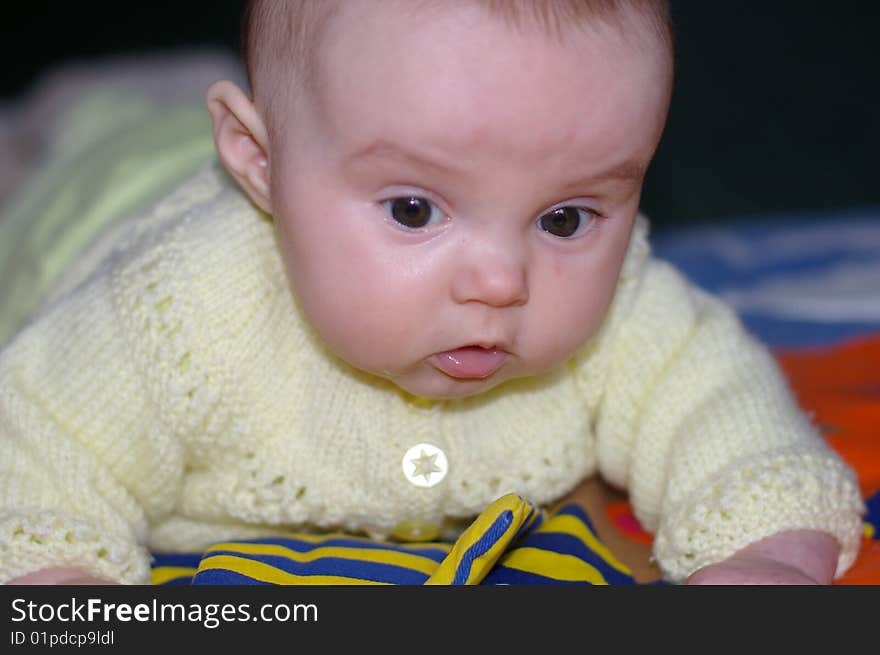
column 470, row 362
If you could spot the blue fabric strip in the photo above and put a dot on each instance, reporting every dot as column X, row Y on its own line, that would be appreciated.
column 482, row 545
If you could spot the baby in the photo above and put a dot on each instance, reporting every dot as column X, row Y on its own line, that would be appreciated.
column 420, row 282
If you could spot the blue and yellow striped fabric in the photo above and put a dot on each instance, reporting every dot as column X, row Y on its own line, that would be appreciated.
column 511, row 542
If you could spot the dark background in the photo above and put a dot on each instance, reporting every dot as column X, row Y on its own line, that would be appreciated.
column 775, row 106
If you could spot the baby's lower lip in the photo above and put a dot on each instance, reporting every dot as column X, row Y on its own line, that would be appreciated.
column 470, row 362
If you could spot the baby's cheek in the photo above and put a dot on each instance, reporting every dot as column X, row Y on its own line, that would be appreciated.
column 563, row 328
column 365, row 330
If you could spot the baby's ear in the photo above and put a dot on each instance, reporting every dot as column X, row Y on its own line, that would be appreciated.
column 241, row 140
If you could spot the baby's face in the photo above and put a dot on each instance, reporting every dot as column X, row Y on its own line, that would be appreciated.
column 455, row 200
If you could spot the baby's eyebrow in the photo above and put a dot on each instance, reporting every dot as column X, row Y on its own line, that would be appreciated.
column 384, row 149
column 627, row 170
column 630, row 170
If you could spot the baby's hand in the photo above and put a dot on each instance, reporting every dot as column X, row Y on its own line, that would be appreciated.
column 799, row 557
column 59, row 576
column 750, row 571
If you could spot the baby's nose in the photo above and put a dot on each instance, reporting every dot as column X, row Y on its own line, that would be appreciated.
column 495, row 277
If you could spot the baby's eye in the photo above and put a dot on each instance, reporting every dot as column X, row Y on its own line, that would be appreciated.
column 412, row 211
column 565, row 222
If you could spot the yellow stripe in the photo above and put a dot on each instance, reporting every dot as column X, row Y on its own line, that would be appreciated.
column 869, row 530
column 418, row 563
column 552, row 565
column 570, row 525
column 266, row 573
column 162, row 574
column 318, row 538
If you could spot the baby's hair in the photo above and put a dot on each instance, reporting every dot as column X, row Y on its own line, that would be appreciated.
column 290, row 31
column 554, row 16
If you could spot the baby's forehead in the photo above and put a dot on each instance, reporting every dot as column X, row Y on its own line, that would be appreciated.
column 286, row 37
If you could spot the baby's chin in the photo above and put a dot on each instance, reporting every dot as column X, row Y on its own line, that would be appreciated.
column 454, row 391
column 435, row 385
column 426, row 381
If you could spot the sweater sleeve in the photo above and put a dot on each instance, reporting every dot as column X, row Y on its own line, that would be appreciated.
column 698, row 423
column 86, row 461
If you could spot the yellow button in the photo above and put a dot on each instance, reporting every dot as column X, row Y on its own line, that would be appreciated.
column 416, row 531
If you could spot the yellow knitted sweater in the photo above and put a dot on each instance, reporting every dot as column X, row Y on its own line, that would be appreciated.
column 170, row 395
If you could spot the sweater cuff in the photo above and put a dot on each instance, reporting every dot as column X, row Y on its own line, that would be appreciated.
column 782, row 491
column 30, row 542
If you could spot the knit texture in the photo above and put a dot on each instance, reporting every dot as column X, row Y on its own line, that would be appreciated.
column 170, row 395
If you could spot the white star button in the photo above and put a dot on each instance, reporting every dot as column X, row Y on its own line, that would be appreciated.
column 425, row 465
